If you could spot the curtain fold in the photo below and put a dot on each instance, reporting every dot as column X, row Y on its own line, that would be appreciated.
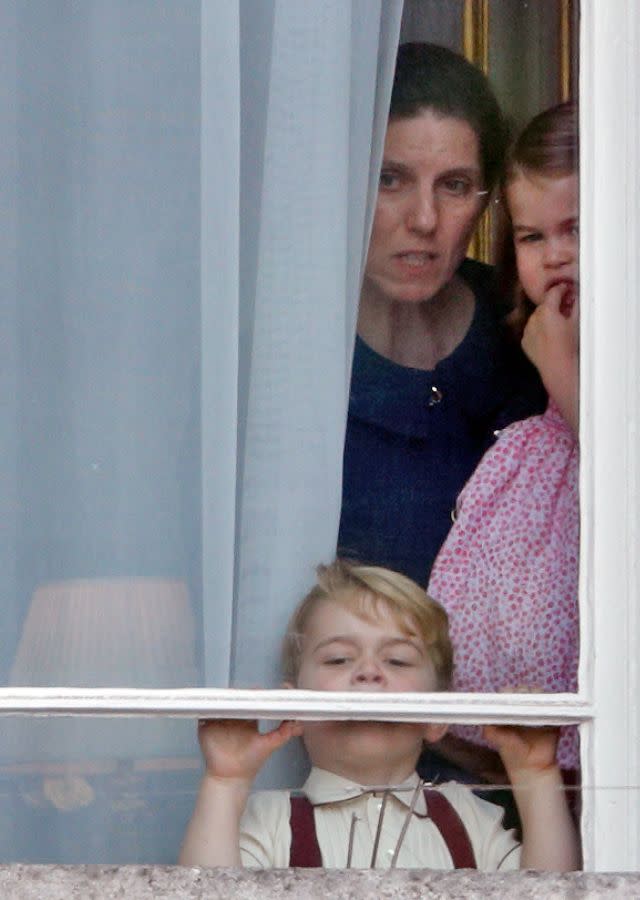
column 186, row 193
column 322, row 84
column 218, row 381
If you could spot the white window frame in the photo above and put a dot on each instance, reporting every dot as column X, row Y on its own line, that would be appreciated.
column 610, row 332
column 607, row 704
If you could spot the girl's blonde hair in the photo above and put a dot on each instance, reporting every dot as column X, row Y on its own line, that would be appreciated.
column 547, row 146
column 361, row 589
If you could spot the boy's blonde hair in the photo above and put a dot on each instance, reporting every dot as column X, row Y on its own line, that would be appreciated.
column 361, row 589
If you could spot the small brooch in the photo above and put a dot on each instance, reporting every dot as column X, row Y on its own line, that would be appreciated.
column 435, row 396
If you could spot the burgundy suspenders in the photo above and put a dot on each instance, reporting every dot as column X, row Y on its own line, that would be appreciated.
column 305, row 852
column 452, row 829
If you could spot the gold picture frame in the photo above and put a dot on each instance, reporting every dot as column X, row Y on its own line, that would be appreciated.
column 475, row 46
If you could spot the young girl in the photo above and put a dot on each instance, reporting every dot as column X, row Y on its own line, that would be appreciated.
column 508, row 572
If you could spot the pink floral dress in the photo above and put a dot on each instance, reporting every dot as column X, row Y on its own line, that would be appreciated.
column 508, row 572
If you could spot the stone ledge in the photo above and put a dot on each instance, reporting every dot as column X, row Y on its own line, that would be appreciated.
column 27, row 882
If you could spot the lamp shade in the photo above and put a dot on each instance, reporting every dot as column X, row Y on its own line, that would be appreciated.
column 108, row 632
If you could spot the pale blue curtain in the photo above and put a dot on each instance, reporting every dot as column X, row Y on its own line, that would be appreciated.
column 186, row 190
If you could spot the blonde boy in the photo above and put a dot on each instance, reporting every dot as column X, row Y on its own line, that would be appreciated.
column 364, row 628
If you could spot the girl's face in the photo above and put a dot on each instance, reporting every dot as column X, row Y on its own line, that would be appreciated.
column 544, row 211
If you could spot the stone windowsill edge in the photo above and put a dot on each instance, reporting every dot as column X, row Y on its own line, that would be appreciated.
column 28, row 882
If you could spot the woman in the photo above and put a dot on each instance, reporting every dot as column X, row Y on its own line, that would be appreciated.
column 434, row 372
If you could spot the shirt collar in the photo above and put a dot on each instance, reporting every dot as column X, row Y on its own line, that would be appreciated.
column 325, row 787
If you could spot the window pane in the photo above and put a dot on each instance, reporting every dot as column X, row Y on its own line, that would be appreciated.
column 100, row 475
column 424, row 444
column 123, row 791
column 107, row 483
column 160, row 443
column 423, row 447
column 79, row 791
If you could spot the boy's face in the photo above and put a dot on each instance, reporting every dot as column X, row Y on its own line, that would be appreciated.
column 344, row 652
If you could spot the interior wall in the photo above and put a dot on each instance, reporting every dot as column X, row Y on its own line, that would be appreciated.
column 524, row 46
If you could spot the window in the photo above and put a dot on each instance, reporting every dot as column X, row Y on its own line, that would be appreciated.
column 607, row 704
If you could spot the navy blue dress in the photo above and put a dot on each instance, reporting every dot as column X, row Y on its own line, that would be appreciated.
column 414, row 437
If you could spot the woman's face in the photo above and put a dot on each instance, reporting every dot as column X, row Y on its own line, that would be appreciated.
column 429, row 201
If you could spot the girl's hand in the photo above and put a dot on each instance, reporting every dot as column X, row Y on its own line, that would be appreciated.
column 235, row 749
column 524, row 751
column 551, row 341
column 552, row 330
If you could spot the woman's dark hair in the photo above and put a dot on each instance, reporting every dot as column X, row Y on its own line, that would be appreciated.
column 547, row 146
column 431, row 77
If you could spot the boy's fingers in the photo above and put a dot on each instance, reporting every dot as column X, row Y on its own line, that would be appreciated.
column 284, row 731
column 522, row 731
column 278, row 737
column 496, row 734
column 490, row 732
column 521, row 689
column 292, row 729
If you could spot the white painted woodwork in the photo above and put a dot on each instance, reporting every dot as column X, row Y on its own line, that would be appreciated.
column 610, row 294
column 538, row 709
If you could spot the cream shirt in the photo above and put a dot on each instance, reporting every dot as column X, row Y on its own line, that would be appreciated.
column 265, row 833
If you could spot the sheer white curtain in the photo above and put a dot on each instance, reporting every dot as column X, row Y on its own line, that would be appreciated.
column 309, row 156
column 185, row 191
